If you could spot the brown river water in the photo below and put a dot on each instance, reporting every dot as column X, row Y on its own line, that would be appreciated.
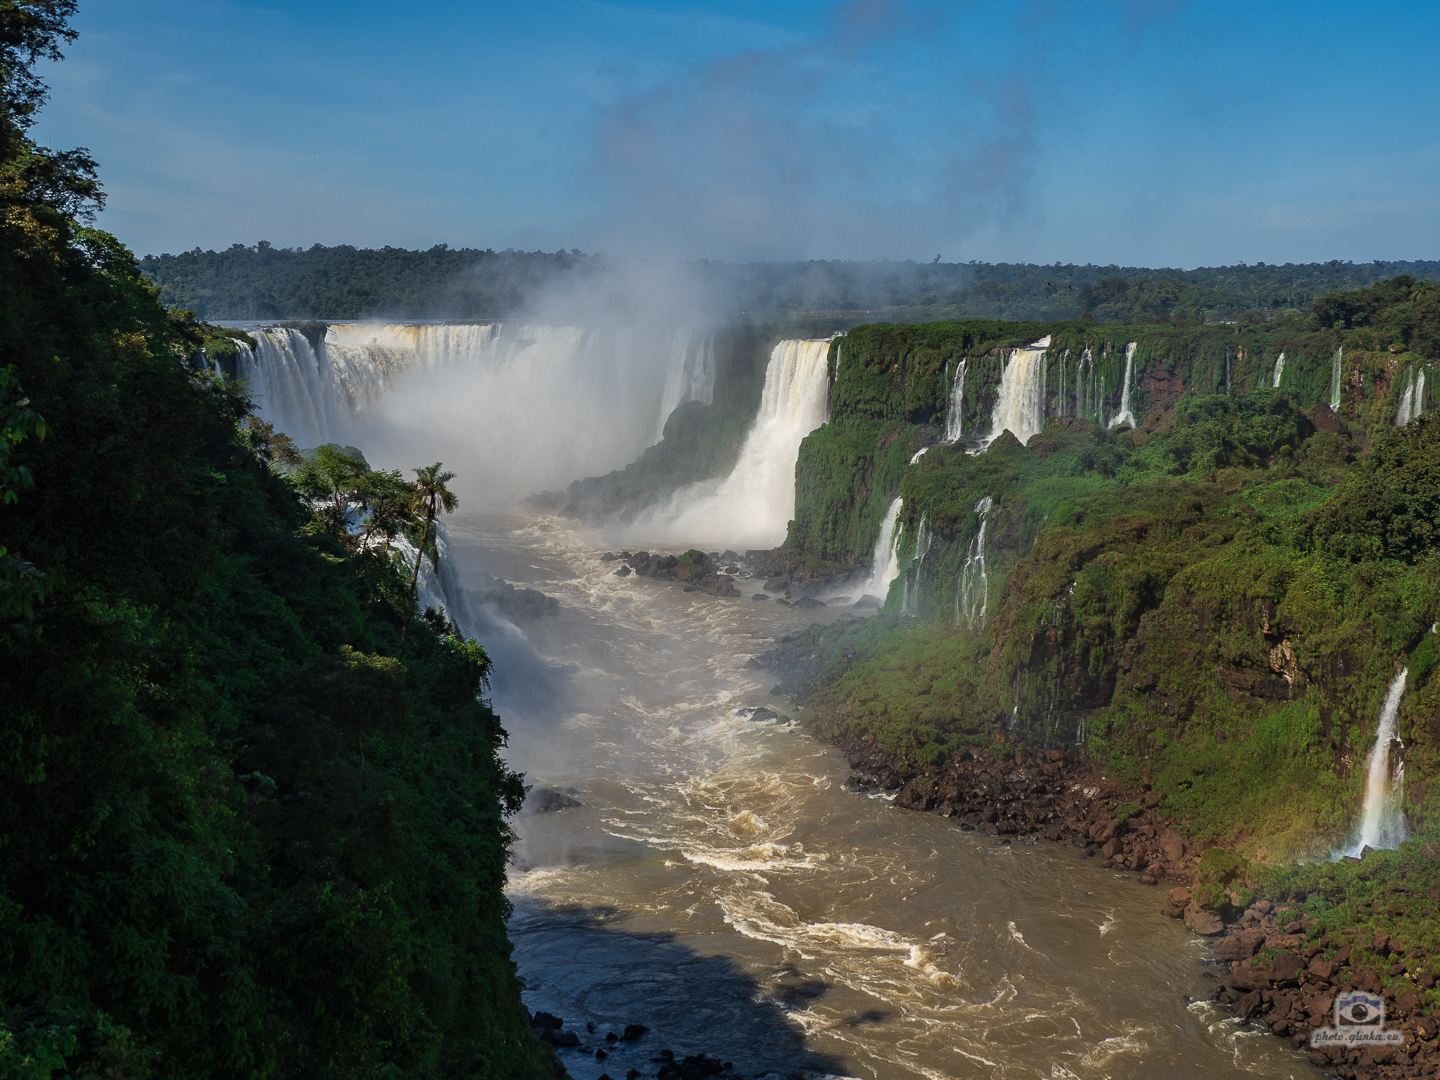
column 721, row 887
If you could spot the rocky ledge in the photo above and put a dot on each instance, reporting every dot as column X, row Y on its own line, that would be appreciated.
column 701, row 572
column 1284, row 972
column 1011, row 792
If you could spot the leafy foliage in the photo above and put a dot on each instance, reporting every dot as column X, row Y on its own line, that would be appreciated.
column 248, row 825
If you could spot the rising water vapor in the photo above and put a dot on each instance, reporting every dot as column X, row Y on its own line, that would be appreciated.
column 752, row 506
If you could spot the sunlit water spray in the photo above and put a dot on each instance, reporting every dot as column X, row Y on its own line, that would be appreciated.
column 527, row 407
column 1382, row 824
column 752, row 506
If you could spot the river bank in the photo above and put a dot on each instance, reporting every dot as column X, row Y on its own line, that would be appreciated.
column 1283, row 950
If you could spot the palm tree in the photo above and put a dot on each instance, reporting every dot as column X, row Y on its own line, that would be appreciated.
column 432, row 496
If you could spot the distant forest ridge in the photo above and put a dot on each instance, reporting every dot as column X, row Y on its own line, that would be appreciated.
column 266, row 282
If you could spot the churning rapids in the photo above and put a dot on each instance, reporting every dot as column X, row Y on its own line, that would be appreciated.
column 719, row 886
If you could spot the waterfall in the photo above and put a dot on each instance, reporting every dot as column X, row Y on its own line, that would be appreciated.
column 1412, row 401
column 753, row 505
column 1403, row 413
column 1383, row 822
column 689, row 377
column 1124, row 416
column 910, row 604
column 1020, row 404
column 1335, row 380
column 971, row 600
column 1087, row 362
column 1060, row 393
column 1279, row 370
column 511, row 407
column 885, row 562
column 915, row 457
column 955, row 413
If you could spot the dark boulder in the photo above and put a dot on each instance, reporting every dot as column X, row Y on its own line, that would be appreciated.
column 634, row 1032
column 548, row 801
column 868, row 601
column 546, row 1021
column 624, row 571
column 808, row 602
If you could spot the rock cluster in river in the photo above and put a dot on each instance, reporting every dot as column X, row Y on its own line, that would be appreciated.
column 663, row 1064
column 513, row 603
column 701, row 572
column 1279, row 976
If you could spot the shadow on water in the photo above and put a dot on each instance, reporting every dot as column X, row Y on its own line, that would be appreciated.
column 580, row 964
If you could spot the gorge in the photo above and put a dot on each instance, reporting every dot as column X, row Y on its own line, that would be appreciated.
column 1148, row 581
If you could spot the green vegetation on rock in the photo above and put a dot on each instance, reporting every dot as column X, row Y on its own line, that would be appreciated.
column 1210, row 603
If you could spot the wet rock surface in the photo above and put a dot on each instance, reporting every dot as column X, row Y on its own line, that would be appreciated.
column 513, row 603
column 700, row 572
column 1282, row 972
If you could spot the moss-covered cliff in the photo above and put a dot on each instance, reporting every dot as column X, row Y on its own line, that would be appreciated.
column 1212, row 601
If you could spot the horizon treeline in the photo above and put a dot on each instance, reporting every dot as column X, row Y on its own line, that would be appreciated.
column 263, row 282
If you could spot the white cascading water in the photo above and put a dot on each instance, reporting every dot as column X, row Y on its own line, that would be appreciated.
column 974, row 594
column 1383, row 822
column 1060, row 393
column 1125, row 416
column 1279, row 371
column 910, row 603
column 1402, row 413
column 753, row 505
column 409, row 395
column 1020, row 404
column 1412, row 401
column 690, row 376
column 1087, row 363
column 955, row 413
column 885, row 561
column 1335, row 379
column 915, row 457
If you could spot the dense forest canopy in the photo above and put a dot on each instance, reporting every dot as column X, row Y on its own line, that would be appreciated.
column 266, row 282
column 251, row 806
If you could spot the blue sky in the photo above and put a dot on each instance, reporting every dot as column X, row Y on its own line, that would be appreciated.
column 1143, row 132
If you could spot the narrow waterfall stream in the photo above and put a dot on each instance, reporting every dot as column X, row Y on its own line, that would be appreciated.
column 1125, row 416
column 885, row 561
column 1383, row 823
column 974, row 591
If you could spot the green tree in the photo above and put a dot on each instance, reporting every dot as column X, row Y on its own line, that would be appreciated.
column 433, row 497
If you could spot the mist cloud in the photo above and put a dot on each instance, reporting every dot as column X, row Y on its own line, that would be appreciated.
column 900, row 131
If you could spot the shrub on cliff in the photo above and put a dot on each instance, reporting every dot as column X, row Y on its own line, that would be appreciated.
column 1390, row 508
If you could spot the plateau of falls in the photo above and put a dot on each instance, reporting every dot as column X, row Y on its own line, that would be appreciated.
column 910, row 603
column 885, row 562
column 1020, row 404
column 753, row 505
column 955, row 413
column 1383, row 822
column 974, row 591
column 1279, row 371
column 1335, row 379
column 1125, row 416
column 513, row 406
column 1412, row 399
